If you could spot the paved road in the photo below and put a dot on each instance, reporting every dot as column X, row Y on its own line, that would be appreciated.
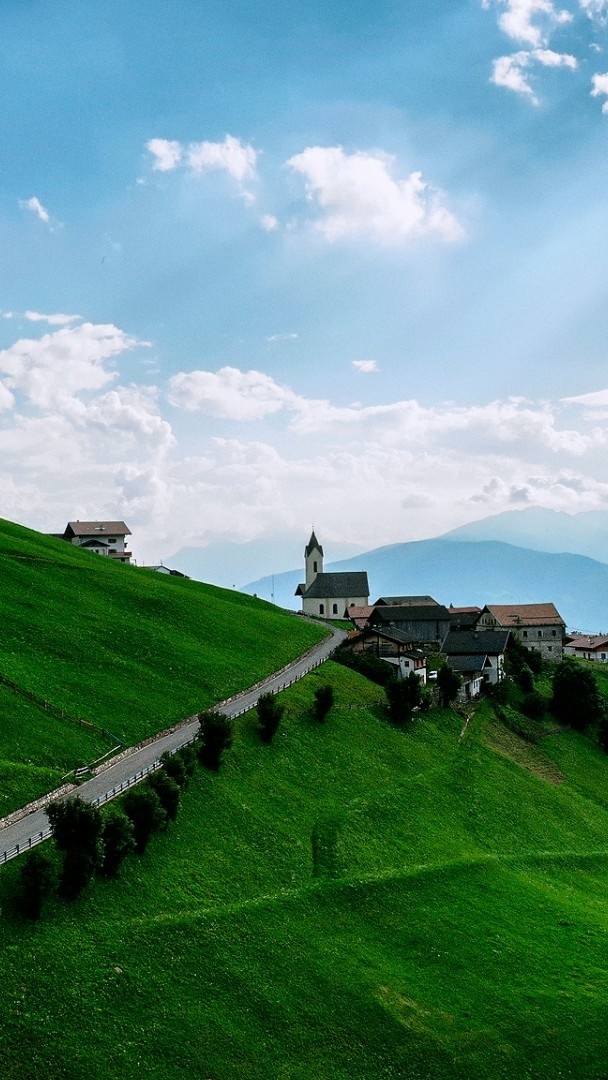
column 114, row 777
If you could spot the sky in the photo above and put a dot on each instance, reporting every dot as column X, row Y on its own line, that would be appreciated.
column 269, row 266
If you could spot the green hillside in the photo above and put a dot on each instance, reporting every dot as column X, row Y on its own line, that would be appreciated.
column 122, row 648
column 449, row 920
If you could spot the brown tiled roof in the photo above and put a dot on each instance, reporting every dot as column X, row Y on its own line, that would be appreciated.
column 589, row 642
column 517, row 615
column 95, row 528
column 358, row 611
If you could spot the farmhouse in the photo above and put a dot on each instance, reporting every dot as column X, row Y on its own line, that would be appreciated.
column 587, row 647
column 477, row 655
column 537, row 626
column 425, row 622
column 100, row 537
column 329, row 595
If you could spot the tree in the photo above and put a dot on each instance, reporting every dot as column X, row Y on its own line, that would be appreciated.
column 448, row 684
column 403, row 697
column 174, row 766
column 576, row 700
column 324, row 700
column 36, row 881
column 215, row 736
column 167, row 791
column 269, row 713
column 77, row 828
column 144, row 808
column 118, row 841
column 367, row 664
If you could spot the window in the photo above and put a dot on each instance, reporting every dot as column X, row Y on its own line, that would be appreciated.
column 554, row 632
column 540, row 633
column 334, row 609
column 314, row 568
column 525, row 633
column 321, row 609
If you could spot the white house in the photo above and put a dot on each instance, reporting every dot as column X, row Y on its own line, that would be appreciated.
column 329, row 596
column 101, row 537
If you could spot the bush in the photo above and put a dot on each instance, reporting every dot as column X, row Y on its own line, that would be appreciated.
column 77, row 830
column 269, row 713
column 144, row 808
column 174, row 766
column 576, row 700
column 324, row 700
column 402, row 698
column 533, row 705
column 215, row 736
column 118, row 837
column 36, row 882
column 448, row 685
column 167, row 790
column 367, row 664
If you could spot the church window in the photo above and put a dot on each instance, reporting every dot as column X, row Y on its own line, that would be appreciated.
column 314, row 567
column 335, row 609
column 321, row 609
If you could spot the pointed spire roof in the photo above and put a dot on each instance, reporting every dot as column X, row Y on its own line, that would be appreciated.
column 313, row 545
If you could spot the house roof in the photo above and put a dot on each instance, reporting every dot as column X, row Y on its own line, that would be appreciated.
column 473, row 642
column 97, row 528
column 588, row 642
column 405, row 601
column 336, row 585
column 517, row 615
column 389, row 633
column 359, row 614
column 312, row 545
column 475, row 663
column 411, row 613
column 464, row 610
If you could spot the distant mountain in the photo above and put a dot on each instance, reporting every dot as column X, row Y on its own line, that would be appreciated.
column 465, row 572
column 543, row 530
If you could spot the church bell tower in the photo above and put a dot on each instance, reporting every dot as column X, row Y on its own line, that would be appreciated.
column 313, row 559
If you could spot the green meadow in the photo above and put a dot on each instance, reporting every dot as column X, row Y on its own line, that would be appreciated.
column 122, row 648
column 350, row 902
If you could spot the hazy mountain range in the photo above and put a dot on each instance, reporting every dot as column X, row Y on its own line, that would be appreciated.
column 471, row 566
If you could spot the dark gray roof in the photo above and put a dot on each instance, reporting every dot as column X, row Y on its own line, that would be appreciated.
column 411, row 613
column 338, row 585
column 312, row 545
column 405, row 601
column 473, row 642
column 391, row 633
column 470, row 664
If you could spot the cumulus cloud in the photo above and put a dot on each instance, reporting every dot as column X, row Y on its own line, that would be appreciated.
column 35, row 207
column 512, row 72
column 232, row 156
column 269, row 222
column 600, row 88
column 596, row 10
column 230, row 394
column 365, row 366
column 359, row 197
column 52, row 320
column 529, row 21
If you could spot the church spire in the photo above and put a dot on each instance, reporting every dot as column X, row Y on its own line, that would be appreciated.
column 313, row 559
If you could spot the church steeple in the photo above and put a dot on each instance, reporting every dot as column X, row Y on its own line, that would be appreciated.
column 313, row 559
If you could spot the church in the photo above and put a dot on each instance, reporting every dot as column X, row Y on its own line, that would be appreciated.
column 329, row 596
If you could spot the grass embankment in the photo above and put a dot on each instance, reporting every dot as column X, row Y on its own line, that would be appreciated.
column 123, row 648
column 457, row 926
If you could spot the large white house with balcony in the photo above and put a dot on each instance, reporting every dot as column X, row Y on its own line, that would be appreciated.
column 101, row 537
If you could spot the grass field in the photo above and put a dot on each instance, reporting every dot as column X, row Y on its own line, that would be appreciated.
column 123, row 648
column 455, row 928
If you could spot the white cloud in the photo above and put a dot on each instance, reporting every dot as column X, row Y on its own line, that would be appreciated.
column 359, row 197
column 232, row 155
column 595, row 9
column 600, row 86
column 530, row 21
column 512, row 71
column 365, row 366
column 52, row 320
column 269, row 222
column 230, row 394
column 167, row 154
column 282, row 337
column 35, row 207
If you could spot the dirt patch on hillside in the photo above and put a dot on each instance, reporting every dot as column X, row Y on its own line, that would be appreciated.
column 526, row 754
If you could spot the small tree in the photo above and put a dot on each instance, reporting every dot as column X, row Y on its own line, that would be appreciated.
column 143, row 806
column 448, row 684
column 215, row 736
column 77, row 828
column 269, row 713
column 403, row 697
column 118, row 841
column 324, row 700
column 36, row 881
column 167, row 791
column 576, row 699
column 174, row 766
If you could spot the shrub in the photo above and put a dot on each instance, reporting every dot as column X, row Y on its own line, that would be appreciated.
column 402, row 698
column 174, row 766
column 77, row 830
column 167, row 790
column 448, row 684
column 36, row 882
column 324, row 699
column 118, row 837
column 143, row 807
column 269, row 713
column 576, row 699
column 533, row 705
column 215, row 736
column 367, row 664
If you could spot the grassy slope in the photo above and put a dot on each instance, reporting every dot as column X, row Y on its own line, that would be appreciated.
column 127, row 649
column 460, row 931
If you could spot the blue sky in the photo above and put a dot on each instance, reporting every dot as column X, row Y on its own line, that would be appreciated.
column 266, row 265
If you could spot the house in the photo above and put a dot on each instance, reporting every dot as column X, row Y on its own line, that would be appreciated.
column 587, row 647
column 394, row 647
column 100, row 537
column 359, row 616
column 160, row 568
column 477, row 655
column 464, row 618
column 330, row 595
column 424, row 623
column 537, row 626
column 404, row 601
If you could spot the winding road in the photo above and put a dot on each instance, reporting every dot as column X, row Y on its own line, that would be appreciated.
column 32, row 826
